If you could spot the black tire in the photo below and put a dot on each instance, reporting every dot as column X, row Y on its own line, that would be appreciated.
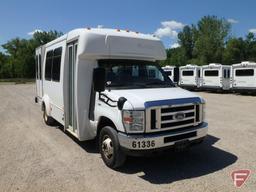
column 117, row 158
column 47, row 119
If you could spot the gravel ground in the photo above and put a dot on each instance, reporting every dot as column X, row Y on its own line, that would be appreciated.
column 36, row 157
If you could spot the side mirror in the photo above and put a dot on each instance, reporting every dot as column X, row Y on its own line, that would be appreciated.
column 99, row 79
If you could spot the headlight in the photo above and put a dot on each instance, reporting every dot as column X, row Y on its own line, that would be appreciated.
column 133, row 121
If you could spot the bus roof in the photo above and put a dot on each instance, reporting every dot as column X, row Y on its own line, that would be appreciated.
column 101, row 42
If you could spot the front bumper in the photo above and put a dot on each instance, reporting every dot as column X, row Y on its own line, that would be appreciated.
column 155, row 141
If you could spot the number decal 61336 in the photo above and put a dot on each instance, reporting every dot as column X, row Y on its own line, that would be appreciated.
column 143, row 144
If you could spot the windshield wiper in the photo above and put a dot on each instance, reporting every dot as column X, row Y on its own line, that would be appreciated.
column 116, row 85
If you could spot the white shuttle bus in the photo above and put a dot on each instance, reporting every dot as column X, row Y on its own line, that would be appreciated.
column 216, row 77
column 244, row 77
column 190, row 76
column 172, row 72
column 106, row 84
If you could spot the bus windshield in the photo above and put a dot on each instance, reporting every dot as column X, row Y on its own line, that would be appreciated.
column 127, row 74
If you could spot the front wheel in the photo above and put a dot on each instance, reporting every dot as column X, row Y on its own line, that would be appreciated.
column 47, row 119
column 110, row 150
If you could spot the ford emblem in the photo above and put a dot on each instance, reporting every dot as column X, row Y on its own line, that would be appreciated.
column 179, row 116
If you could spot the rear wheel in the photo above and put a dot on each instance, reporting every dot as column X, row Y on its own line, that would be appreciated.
column 110, row 150
column 47, row 119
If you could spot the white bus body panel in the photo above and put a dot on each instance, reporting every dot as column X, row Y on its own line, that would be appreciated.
column 192, row 81
column 221, row 81
column 244, row 82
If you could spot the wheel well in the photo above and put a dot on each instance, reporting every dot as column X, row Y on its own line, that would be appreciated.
column 104, row 121
column 43, row 106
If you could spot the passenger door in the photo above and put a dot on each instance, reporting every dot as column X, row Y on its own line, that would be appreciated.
column 226, row 78
column 39, row 82
column 72, row 112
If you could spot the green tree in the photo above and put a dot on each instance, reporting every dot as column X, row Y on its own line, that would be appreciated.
column 235, row 51
column 177, row 56
column 186, row 40
column 20, row 62
column 212, row 34
column 15, row 61
column 4, row 71
column 250, row 47
column 41, row 38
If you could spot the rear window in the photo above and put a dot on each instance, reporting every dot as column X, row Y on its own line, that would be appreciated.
column 226, row 73
column 187, row 73
column 198, row 73
column 244, row 72
column 212, row 73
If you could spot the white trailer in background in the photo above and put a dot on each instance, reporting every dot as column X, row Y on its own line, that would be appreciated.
column 172, row 72
column 106, row 84
column 244, row 77
column 216, row 77
column 190, row 76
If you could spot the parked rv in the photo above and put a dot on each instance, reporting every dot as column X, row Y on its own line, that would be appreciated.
column 106, row 84
column 244, row 77
column 215, row 77
column 172, row 72
column 190, row 76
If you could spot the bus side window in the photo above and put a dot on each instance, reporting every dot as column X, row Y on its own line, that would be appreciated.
column 48, row 65
column 56, row 64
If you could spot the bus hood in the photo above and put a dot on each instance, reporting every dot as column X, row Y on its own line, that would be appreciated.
column 145, row 98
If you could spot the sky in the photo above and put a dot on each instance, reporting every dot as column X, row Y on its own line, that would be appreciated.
column 164, row 18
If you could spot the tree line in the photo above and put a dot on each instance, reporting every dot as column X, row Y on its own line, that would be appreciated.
column 18, row 60
column 208, row 41
column 211, row 41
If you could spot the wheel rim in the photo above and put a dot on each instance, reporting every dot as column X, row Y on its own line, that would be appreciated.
column 107, row 147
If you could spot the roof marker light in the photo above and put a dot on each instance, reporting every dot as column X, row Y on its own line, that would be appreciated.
column 118, row 30
column 127, row 30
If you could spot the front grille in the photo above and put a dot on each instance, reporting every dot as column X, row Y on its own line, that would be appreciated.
column 177, row 123
column 173, row 117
